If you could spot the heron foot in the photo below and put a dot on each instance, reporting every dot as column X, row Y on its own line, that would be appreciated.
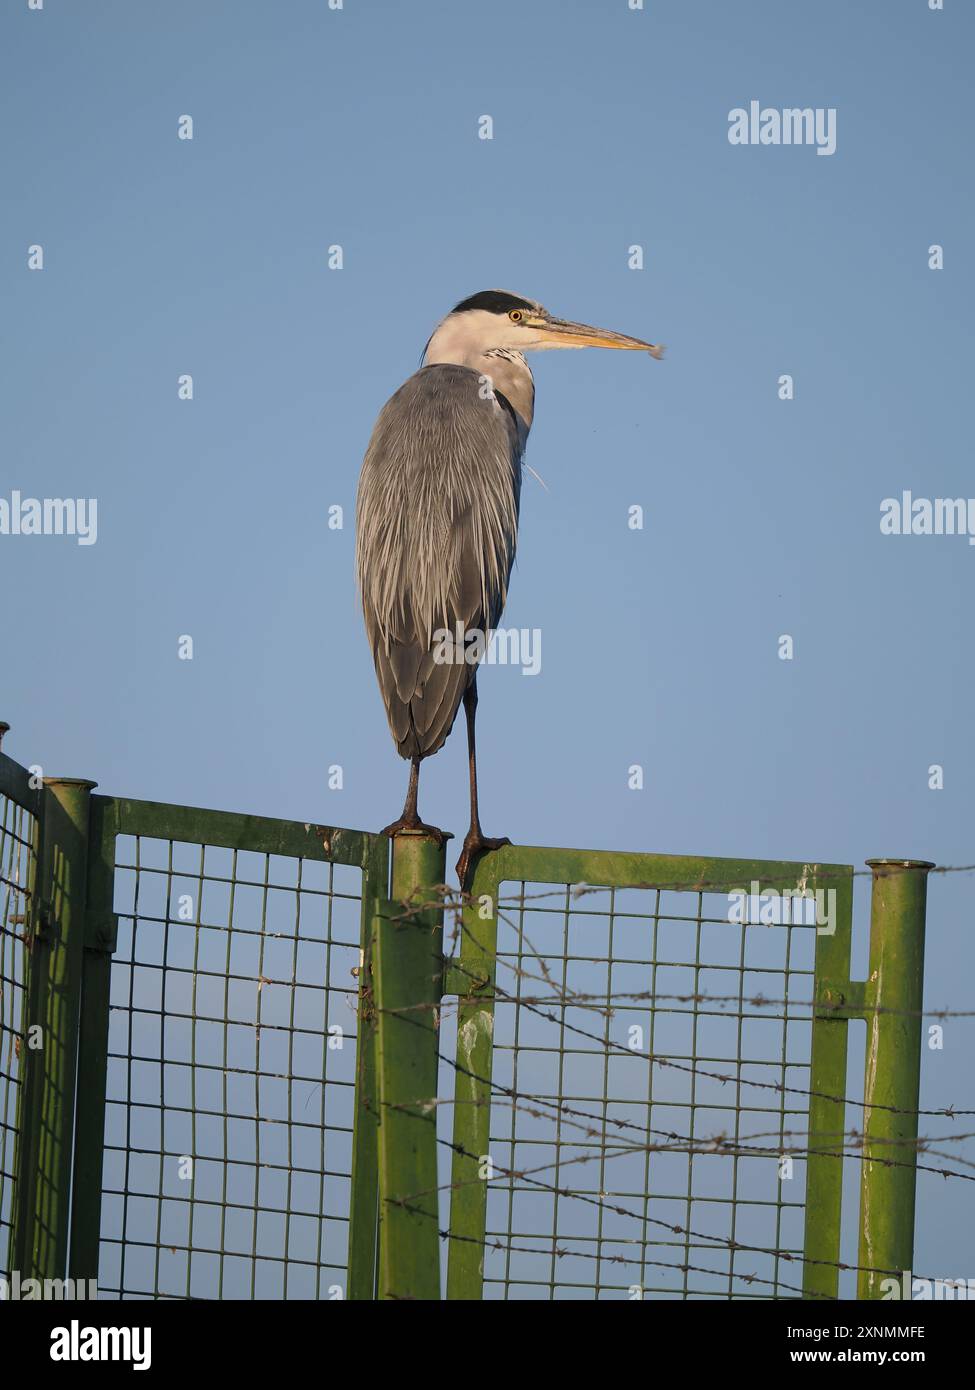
column 416, row 825
column 475, row 844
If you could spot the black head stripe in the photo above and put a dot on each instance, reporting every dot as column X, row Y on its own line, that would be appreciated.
column 494, row 301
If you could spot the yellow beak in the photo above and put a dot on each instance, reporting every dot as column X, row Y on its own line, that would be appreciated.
column 561, row 333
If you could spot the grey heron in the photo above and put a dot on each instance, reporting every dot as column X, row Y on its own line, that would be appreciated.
column 437, row 522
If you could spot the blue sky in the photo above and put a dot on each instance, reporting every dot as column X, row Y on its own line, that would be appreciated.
column 358, row 127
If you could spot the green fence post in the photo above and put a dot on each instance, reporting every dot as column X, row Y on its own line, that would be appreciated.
column 892, row 1079
column 827, row 1084
column 472, row 979
column 364, row 1201
column 101, row 933
column 54, row 996
column 408, row 958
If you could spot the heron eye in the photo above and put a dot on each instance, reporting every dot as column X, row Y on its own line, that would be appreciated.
column 515, row 315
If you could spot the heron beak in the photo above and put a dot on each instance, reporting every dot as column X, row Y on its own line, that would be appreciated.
column 561, row 333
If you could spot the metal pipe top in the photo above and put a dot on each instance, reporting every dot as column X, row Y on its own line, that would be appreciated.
column 924, row 864
column 422, row 835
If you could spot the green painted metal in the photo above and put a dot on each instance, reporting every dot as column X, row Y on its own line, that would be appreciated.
column 20, row 811
column 101, row 933
column 473, row 976
column 364, row 1212
column 408, row 960
column 394, row 1223
column 230, row 830
column 54, row 999
column 259, row 835
column 892, row 1073
column 827, row 1078
column 16, row 783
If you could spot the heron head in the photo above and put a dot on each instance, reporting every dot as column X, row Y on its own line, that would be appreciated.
column 495, row 320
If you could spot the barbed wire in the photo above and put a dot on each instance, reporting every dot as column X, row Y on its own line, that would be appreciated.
column 690, row 1144
column 741, row 1146
column 584, row 999
column 713, row 1143
column 450, row 897
column 494, row 1243
column 451, row 900
column 892, row 866
column 693, row 1145
column 778, row 1087
column 726, row 1242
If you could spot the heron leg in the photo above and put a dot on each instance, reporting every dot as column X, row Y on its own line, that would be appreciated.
column 410, row 819
column 475, row 841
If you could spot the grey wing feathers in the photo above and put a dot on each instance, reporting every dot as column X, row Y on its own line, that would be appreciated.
column 436, row 526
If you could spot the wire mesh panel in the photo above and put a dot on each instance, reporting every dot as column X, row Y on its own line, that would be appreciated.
column 647, row 1089
column 18, row 829
column 648, row 1081
column 231, row 1071
column 650, row 1125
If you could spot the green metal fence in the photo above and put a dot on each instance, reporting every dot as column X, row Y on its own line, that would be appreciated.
column 304, row 1069
column 19, row 807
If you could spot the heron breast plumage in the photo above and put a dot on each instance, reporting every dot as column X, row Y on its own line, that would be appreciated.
column 436, row 530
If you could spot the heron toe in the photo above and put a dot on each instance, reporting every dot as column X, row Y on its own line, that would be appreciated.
column 416, row 827
column 476, row 844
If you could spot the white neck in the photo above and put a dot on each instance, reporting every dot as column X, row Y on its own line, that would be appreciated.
column 462, row 339
column 471, row 340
